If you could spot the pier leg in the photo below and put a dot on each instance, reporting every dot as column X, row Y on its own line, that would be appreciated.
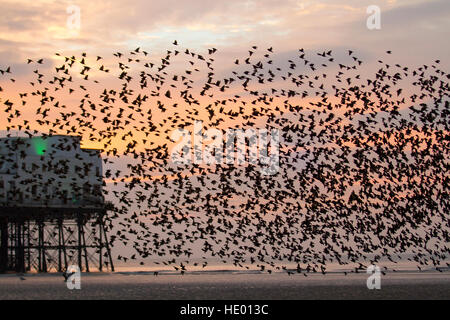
column 107, row 244
column 20, row 249
column 3, row 244
column 80, row 262
column 59, row 246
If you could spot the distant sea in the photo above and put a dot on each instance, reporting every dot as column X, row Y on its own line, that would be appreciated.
column 214, row 267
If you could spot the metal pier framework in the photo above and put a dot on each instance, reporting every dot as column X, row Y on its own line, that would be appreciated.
column 51, row 239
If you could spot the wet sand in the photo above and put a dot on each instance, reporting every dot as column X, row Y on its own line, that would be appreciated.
column 226, row 286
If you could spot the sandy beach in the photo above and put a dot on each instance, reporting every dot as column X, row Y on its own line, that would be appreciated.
column 227, row 286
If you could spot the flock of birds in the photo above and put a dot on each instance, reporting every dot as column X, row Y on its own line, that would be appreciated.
column 363, row 160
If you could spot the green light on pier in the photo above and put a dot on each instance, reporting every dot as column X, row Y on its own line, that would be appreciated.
column 40, row 146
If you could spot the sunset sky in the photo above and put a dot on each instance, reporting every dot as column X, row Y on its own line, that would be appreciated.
column 416, row 30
